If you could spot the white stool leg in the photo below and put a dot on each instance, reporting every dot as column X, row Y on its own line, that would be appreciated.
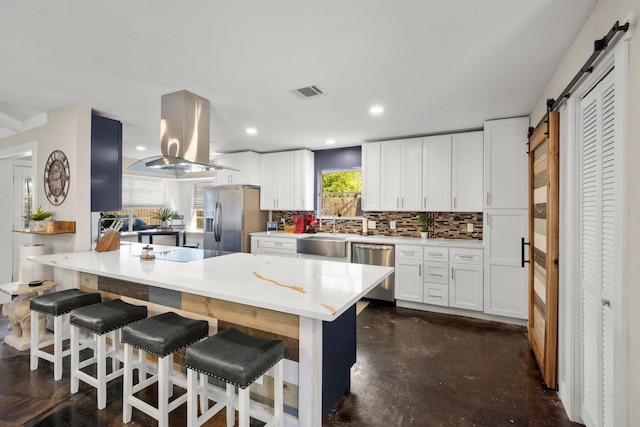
column 192, row 398
column 231, row 413
column 101, row 370
column 75, row 359
column 169, row 379
column 35, row 339
column 278, row 393
column 243, row 407
column 164, row 365
column 204, row 395
column 115, row 349
column 142, row 365
column 58, row 333
column 127, row 387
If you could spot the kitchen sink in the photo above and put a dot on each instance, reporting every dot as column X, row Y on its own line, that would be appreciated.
column 324, row 245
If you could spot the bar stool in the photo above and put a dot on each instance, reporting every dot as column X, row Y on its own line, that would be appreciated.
column 102, row 319
column 56, row 304
column 161, row 335
column 239, row 360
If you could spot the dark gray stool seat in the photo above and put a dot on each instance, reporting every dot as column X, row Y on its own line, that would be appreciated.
column 102, row 319
column 107, row 316
column 234, row 357
column 57, row 303
column 165, row 333
column 161, row 335
column 239, row 360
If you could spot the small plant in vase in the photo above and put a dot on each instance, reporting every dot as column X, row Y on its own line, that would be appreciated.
column 38, row 218
column 425, row 223
column 164, row 215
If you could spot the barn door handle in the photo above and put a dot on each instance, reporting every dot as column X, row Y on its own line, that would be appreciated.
column 522, row 260
column 606, row 302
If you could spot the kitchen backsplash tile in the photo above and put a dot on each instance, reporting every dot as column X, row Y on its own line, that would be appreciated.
column 447, row 225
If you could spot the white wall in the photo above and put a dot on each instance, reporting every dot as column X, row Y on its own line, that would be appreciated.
column 69, row 130
column 603, row 16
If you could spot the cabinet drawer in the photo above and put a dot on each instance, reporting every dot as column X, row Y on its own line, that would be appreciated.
column 275, row 243
column 466, row 256
column 409, row 252
column 436, row 294
column 436, row 272
column 436, row 254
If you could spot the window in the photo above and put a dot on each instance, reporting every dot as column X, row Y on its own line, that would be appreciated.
column 141, row 198
column 341, row 192
column 197, row 205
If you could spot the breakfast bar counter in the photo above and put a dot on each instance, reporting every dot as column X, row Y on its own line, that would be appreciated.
column 303, row 302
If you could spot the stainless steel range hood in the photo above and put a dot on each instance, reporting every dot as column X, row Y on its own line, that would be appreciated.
column 184, row 136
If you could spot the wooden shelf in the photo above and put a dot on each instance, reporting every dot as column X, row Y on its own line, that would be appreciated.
column 59, row 227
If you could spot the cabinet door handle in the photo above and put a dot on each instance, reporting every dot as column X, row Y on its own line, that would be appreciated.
column 488, row 200
column 466, row 256
column 419, row 269
column 408, row 252
column 397, row 203
column 435, row 254
column 455, row 202
column 453, row 276
column 402, row 202
column 435, row 275
column 424, row 202
column 488, row 222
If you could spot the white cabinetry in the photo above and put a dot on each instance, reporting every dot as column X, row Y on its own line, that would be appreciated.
column 371, row 176
column 505, row 163
column 436, row 173
column 400, row 172
column 465, row 285
column 408, row 274
column 286, row 180
column 466, row 172
column 505, row 277
column 506, row 217
column 452, row 173
column 279, row 246
column 248, row 168
column 436, row 276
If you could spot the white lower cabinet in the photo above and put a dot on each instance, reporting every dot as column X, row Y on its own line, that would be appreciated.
column 279, row 246
column 408, row 274
column 466, row 281
column 448, row 277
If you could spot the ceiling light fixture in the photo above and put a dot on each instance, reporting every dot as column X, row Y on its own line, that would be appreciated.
column 376, row 110
column 252, row 131
column 330, row 141
column 141, row 148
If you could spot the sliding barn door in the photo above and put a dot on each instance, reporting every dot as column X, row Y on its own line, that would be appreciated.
column 599, row 252
column 543, row 245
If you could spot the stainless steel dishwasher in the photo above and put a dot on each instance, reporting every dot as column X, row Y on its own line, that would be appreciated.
column 377, row 254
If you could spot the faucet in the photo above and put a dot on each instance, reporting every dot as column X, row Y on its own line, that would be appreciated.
column 333, row 214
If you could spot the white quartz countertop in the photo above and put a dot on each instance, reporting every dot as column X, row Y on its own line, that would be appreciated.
column 390, row 240
column 316, row 289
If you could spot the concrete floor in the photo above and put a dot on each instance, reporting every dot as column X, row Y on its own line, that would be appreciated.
column 414, row 369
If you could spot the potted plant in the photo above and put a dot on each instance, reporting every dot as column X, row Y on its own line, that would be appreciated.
column 38, row 218
column 425, row 223
column 164, row 215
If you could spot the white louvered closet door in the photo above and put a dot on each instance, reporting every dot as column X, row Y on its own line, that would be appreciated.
column 599, row 201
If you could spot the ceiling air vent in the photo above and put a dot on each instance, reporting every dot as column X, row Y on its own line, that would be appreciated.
column 307, row 91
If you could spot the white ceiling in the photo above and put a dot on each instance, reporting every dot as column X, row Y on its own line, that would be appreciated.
column 436, row 66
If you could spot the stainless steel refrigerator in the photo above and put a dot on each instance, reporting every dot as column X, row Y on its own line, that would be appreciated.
column 231, row 213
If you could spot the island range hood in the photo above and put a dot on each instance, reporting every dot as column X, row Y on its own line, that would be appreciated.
column 184, row 136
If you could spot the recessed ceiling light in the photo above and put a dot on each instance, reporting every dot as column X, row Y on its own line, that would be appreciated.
column 330, row 141
column 141, row 148
column 252, row 131
column 376, row 110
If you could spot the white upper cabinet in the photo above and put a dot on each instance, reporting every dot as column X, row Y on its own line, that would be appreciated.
column 505, row 160
column 371, row 176
column 303, row 185
column 248, row 168
column 286, row 180
column 436, row 173
column 400, row 175
column 466, row 172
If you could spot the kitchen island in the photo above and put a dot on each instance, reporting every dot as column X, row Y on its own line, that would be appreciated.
column 306, row 303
